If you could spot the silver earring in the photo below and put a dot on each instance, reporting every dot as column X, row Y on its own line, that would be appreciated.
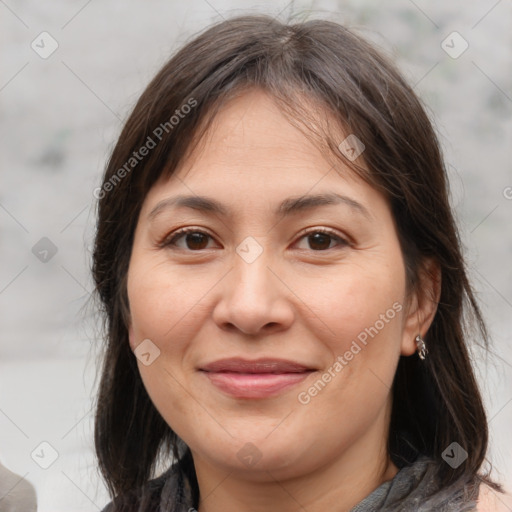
column 422, row 348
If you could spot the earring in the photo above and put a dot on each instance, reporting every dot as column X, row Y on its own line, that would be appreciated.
column 422, row 348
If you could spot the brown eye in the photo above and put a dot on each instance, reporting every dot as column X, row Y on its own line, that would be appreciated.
column 194, row 240
column 321, row 240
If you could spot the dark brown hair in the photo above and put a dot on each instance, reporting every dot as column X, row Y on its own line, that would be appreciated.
column 436, row 401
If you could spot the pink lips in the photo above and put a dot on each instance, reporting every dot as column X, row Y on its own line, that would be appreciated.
column 262, row 378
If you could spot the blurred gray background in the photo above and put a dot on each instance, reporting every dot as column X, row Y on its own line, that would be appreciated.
column 60, row 114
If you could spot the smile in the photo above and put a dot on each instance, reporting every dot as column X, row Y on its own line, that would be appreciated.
column 263, row 378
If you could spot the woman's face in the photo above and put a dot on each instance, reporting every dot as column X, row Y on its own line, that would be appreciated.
column 268, row 337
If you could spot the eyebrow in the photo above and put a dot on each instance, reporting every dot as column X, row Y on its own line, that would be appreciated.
column 287, row 207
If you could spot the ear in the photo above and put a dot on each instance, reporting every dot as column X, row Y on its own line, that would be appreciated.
column 421, row 305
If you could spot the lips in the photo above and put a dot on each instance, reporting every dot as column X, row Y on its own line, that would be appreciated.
column 261, row 378
column 239, row 365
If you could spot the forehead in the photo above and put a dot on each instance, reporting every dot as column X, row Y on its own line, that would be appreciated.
column 253, row 154
column 251, row 132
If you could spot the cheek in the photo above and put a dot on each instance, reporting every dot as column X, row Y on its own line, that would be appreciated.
column 358, row 304
column 165, row 305
column 363, row 310
column 165, row 308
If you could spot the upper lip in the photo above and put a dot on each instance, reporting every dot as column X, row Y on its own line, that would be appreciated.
column 263, row 365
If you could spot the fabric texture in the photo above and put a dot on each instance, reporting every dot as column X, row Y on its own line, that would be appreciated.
column 16, row 493
column 171, row 492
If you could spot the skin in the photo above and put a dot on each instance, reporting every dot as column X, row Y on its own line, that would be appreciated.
column 203, row 302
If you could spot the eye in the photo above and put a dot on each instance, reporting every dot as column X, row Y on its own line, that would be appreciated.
column 193, row 239
column 321, row 239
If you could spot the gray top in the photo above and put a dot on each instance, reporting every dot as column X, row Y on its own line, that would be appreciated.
column 172, row 493
column 16, row 493
column 416, row 484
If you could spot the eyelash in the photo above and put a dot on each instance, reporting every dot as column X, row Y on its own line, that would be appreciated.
column 170, row 240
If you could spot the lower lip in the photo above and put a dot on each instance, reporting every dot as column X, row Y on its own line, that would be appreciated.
column 255, row 385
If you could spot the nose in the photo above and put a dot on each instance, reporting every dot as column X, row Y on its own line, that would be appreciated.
column 254, row 299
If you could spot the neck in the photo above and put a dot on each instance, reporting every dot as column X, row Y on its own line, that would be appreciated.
column 338, row 485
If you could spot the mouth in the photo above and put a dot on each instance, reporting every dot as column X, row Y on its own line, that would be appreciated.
column 262, row 378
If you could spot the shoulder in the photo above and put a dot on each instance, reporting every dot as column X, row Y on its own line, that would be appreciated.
column 16, row 493
column 490, row 500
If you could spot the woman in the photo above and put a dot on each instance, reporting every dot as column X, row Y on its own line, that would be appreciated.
column 283, row 287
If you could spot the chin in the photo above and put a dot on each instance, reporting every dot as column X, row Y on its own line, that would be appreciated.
column 256, row 457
